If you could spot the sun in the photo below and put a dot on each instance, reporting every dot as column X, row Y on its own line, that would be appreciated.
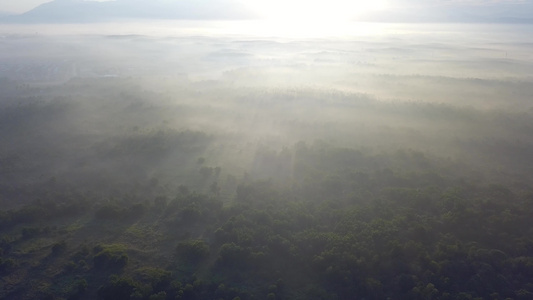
column 314, row 10
column 312, row 18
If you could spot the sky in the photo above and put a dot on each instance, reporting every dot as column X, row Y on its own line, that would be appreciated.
column 380, row 10
column 18, row 6
column 21, row 6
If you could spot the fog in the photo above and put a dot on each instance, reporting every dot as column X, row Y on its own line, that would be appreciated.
column 438, row 89
column 144, row 110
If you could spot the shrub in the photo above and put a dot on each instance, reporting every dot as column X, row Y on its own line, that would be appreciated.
column 118, row 289
column 110, row 256
column 108, row 211
column 193, row 251
column 7, row 265
column 59, row 248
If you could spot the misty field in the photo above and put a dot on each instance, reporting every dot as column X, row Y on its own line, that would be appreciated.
column 170, row 160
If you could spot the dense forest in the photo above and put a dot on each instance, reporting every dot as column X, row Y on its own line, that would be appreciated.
column 117, row 188
column 189, row 161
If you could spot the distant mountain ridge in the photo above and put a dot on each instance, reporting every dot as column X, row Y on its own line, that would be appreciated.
column 81, row 11
column 67, row 11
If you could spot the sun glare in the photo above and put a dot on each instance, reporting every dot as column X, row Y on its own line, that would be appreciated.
column 315, row 10
column 310, row 18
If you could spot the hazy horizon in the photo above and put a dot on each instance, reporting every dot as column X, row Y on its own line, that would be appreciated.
column 511, row 11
